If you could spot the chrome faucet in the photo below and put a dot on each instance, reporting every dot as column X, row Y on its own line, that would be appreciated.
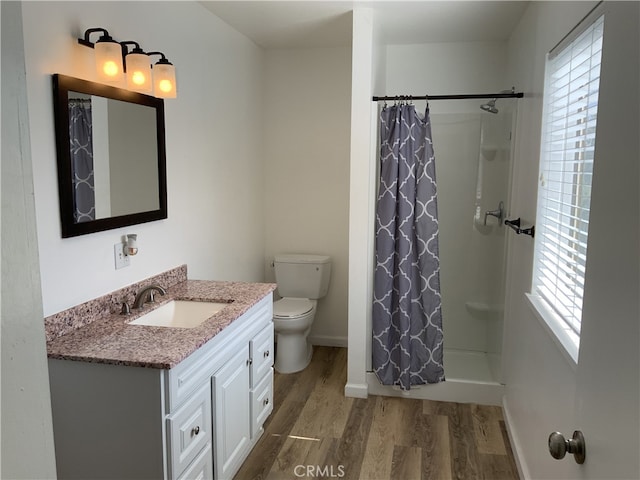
column 147, row 295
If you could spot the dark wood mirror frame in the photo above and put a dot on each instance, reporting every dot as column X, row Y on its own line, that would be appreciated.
column 62, row 85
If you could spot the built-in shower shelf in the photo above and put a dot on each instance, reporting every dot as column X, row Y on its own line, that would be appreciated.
column 495, row 146
column 485, row 310
column 489, row 151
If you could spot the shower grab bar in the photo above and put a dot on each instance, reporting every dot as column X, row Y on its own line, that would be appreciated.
column 515, row 225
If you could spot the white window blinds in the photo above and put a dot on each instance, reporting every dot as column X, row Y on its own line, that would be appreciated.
column 566, row 166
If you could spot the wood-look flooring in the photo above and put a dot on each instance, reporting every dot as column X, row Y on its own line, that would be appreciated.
column 316, row 432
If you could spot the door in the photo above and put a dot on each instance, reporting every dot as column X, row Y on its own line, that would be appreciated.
column 545, row 389
column 231, row 421
column 608, row 381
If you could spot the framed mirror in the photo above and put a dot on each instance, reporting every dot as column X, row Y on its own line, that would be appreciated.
column 110, row 146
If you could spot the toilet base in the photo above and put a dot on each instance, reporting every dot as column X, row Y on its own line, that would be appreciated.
column 293, row 353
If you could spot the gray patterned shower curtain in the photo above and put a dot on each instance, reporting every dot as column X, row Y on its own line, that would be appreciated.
column 407, row 316
column 81, row 151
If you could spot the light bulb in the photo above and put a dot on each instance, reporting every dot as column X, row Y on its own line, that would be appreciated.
column 110, row 68
column 138, row 78
column 165, row 86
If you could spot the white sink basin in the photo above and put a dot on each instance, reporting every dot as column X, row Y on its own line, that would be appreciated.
column 179, row 314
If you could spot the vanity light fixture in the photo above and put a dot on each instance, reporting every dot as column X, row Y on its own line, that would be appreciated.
column 164, row 77
column 113, row 59
column 131, row 245
column 137, row 68
column 108, row 55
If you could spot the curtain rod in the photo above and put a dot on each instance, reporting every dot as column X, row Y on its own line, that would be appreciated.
column 451, row 97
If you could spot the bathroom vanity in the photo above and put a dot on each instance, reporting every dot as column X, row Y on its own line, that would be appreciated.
column 136, row 401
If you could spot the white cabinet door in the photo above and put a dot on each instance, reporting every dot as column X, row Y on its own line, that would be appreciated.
column 231, row 415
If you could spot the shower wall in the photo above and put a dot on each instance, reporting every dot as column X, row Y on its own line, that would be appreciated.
column 445, row 68
column 472, row 163
column 456, row 139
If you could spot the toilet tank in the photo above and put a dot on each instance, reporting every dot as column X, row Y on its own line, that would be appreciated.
column 303, row 276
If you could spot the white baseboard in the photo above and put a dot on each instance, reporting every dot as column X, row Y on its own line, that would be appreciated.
column 356, row 390
column 516, row 447
column 328, row 341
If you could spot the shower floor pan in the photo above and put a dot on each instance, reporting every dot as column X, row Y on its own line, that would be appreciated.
column 470, row 379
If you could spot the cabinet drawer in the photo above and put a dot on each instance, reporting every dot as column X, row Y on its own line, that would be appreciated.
column 189, row 430
column 201, row 468
column 261, row 403
column 261, row 350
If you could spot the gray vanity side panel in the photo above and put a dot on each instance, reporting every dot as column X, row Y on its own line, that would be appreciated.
column 112, row 408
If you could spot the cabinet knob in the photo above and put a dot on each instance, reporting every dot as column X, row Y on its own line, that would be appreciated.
column 196, row 430
column 249, row 361
column 266, row 401
column 266, row 354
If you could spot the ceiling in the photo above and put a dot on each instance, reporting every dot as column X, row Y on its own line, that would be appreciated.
column 318, row 23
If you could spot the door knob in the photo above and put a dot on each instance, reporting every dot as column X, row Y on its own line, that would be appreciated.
column 559, row 446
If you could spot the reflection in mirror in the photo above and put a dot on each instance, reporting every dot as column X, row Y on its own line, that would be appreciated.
column 111, row 161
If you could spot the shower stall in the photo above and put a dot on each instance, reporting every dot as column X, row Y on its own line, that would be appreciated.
column 473, row 167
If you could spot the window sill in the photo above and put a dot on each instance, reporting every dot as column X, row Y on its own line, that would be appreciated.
column 566, row 340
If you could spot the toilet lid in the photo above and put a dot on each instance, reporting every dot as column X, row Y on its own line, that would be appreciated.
column 291, row 307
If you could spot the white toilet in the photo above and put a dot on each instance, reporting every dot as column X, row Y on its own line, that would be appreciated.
column 302, row 280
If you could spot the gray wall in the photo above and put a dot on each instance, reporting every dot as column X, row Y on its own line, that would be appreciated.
column 27, row 435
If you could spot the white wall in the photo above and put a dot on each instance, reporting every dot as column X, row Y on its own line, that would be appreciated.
column 306, row 130
column 26, row 429
column 361, row 194
column 545, row 390
column 213, row 139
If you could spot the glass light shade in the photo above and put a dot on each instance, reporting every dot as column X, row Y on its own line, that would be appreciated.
column 164, row 80
column 109, row 61
column 138, row 72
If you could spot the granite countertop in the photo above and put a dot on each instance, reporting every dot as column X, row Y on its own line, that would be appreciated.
column 110, row 339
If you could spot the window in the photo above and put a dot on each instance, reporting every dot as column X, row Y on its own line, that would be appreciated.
column 566, row 167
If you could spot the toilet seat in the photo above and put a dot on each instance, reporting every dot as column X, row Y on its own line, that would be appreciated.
column 291, row 307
